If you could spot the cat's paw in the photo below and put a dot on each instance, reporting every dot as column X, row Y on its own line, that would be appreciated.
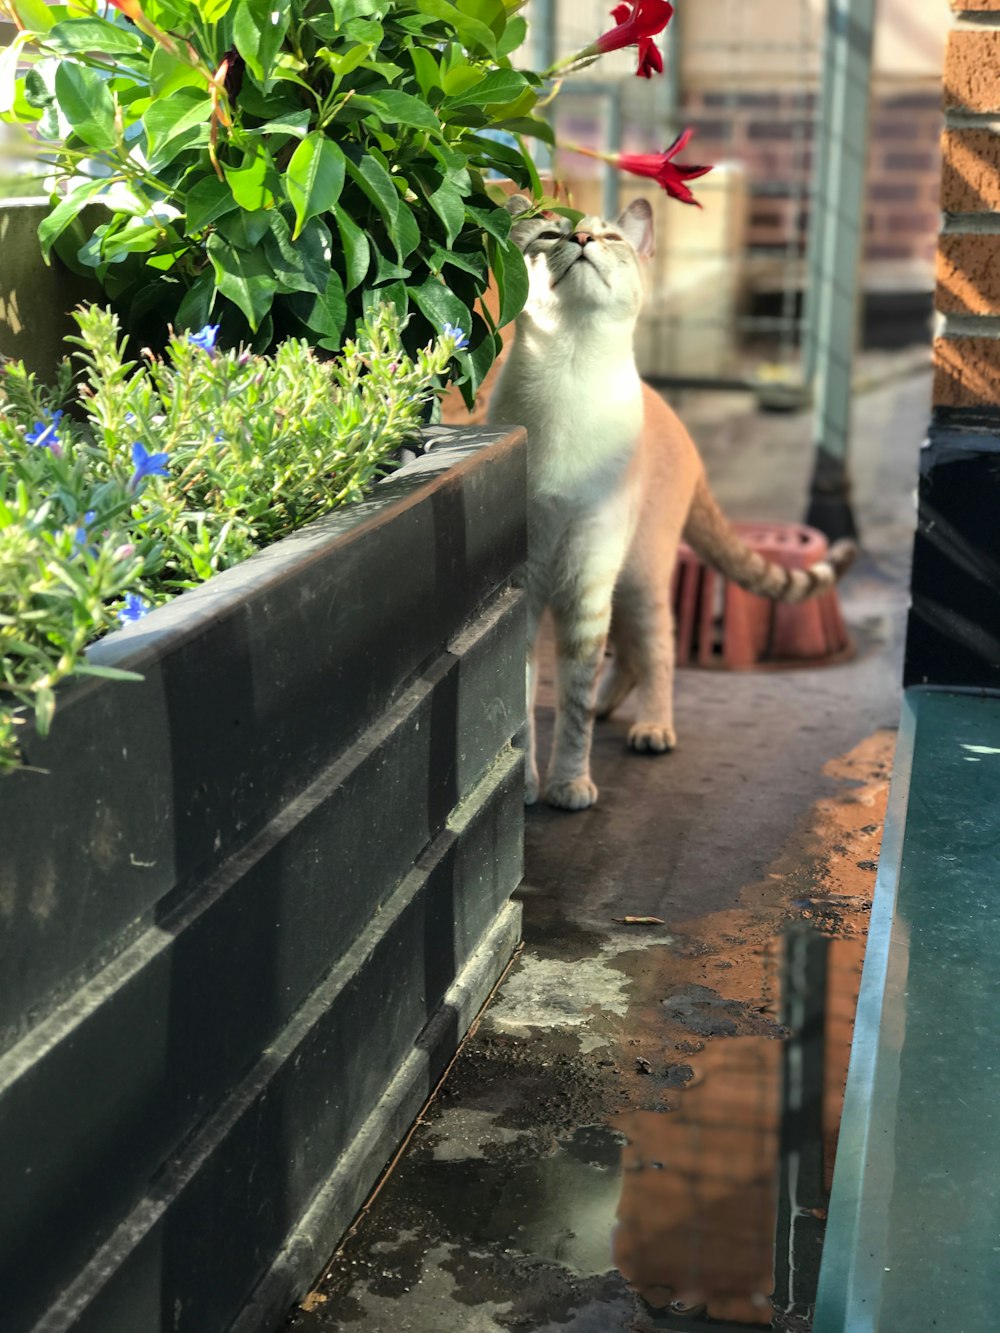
column 575, row 794
column 531, row 787
column 651, row 738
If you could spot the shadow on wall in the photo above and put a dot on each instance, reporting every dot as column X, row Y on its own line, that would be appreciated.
column 35, row 298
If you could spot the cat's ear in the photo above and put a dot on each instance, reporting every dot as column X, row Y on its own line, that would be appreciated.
column 518, row 203
column 636, row 225
column 521, row 232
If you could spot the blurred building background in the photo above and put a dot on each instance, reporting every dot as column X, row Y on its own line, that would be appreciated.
column 727, row 294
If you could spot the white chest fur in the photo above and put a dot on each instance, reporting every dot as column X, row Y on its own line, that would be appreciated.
column 580, row 400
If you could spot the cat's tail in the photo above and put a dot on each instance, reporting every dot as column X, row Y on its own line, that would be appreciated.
column 709, row 533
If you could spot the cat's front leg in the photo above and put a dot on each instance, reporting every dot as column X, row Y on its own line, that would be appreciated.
column 579, row 652
column 531, row 780
column 532, row 785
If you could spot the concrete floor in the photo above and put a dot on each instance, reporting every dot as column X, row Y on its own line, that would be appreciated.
column 645, row 1107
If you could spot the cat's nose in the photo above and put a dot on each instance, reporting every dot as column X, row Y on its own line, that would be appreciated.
column 582, row 237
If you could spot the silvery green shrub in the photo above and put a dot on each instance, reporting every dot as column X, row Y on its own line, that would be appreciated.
column 150, row 474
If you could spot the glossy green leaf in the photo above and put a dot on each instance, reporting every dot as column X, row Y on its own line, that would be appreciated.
column 449, row 205
column 494, row 221
column 476, row 362
column 324, row 313
column 251, row 182
column 514, row 35
column 343, row 63
column 259, row 28
column 213, row 10
column 533, row 125
column 426, row 69
column 168, row 72
column 302, row 265
column 471, row 31
column 497, row 88
column 65, row 211
column 535, row 181
column 195, row 310
column 357, row 251
column 173, row 123
column 93, row 35
column 396, row 108
column 315, row 178
column 511, row 275
column 460, row 79
column 439, row 257
column 207, row 200
column 293, row 123
column 243, row 277
column 407, row 230
column 86, row 103
column 34, row 15
column 245, row 230
column 440, row 306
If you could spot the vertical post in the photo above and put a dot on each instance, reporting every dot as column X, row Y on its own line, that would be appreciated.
column 670, row 84
column 544, row 22
column 611, row 186
column 838, row 199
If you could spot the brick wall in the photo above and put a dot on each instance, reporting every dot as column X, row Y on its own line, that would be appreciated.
column 771, row 134
column 967, row 351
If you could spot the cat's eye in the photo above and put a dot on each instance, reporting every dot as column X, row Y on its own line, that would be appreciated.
column 550, row 234
column 612, row 236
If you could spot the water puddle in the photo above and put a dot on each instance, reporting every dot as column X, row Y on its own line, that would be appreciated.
column 724, row 1195
column 641, row 1134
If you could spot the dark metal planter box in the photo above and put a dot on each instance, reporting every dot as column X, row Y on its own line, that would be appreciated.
column 253, row 904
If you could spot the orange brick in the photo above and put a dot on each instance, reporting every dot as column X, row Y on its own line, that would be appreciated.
column 968, row 275
column 972, row 70
column 970, row 171
column 967, row 372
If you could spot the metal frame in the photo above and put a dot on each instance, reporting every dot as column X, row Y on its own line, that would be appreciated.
column 835, row 254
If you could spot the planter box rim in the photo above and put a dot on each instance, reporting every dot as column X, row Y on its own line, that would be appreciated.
column 450, row 451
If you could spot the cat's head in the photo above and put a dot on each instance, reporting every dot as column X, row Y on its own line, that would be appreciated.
column 591, row 267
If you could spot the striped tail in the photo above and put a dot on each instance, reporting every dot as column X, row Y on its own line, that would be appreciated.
column 708, row 532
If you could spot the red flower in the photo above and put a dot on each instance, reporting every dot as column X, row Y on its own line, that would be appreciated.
column 661, row 168
column 638, row 22
column 650, row 59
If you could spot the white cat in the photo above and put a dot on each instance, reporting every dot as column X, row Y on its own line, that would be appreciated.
column 614, row 481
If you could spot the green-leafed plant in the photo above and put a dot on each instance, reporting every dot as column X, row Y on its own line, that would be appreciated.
column 282, row 167
column 161, row 473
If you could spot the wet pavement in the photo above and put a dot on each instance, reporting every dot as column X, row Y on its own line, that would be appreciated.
column 640, row 1133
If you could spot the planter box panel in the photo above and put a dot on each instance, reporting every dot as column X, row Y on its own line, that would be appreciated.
column 221, row 1211
column 953, row 637
column 185, row 1012
column 251, row 683
column 491, row 687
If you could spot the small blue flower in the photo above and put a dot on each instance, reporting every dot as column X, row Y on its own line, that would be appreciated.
column 43, row 433
column 134, row 609
column 205, row 337
column 146, row 465
column 81, row 534
column 459, row 335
